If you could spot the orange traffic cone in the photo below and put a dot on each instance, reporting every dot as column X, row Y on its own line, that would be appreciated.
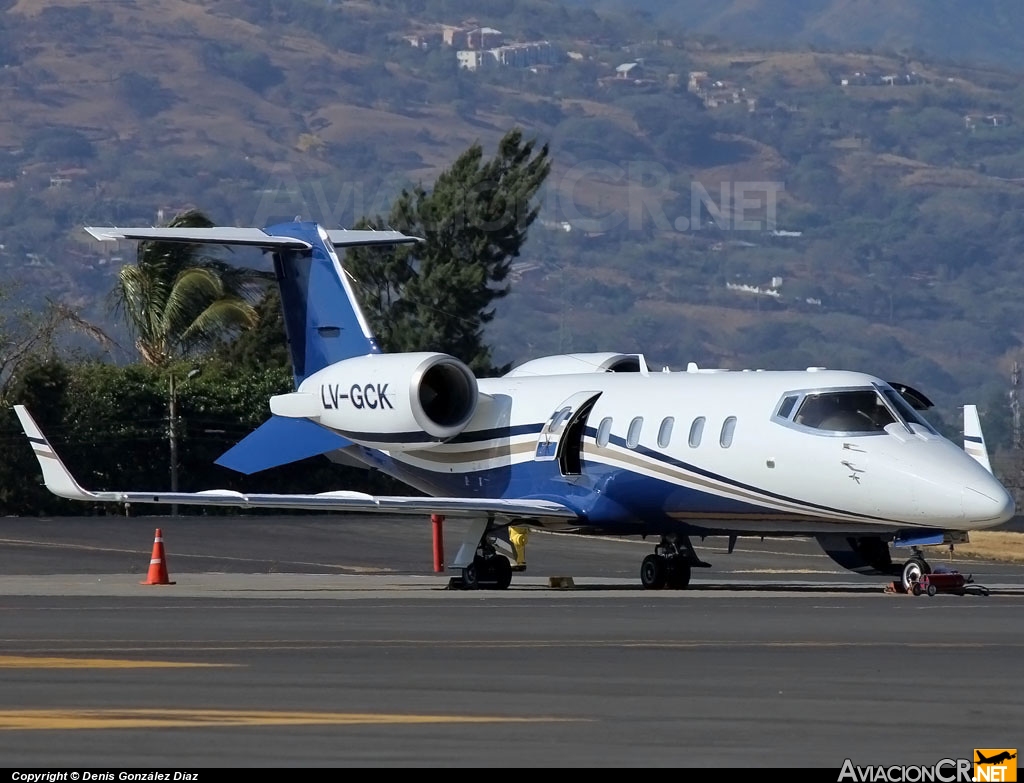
column 158, row 563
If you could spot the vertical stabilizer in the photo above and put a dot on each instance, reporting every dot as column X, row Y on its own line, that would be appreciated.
column 974, row 439
column 322, row 316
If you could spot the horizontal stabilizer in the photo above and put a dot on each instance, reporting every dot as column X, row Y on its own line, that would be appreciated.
column 343, row 237
column 252, row 237
column 280, row 441
column 217, row 235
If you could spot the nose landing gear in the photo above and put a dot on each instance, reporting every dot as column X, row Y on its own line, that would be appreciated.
column 913, row 570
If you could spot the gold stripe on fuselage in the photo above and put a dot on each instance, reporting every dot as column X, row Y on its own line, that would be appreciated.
column 509, row 452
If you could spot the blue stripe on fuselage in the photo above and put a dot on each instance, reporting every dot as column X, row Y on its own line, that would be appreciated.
column 731, row 482
column 603, row 494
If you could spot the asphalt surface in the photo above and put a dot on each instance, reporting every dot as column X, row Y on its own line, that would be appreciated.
column 332, row 642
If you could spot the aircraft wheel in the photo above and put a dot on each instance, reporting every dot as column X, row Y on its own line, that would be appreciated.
column 502, row 572
column 913, row 570
column 678, row 576
column 471, row 575
column 652, row 572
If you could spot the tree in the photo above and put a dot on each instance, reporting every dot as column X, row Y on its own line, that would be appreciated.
column 265, row 344
column 26, row 335
column 177, row 301
column 438, row 294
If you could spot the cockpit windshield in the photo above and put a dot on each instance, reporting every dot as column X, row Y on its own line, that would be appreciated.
column 854, row 410
column 906, row 410
column 865, row 411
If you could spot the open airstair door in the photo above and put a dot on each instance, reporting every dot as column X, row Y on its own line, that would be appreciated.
column 561, row 438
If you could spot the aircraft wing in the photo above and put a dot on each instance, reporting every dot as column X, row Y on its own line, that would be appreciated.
column 59, row 481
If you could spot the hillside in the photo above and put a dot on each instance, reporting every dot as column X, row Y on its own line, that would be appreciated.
column 983, row 31
column 732, row 206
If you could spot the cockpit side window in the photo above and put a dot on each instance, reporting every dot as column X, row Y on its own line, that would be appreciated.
column 786, row 408
column 858, row 410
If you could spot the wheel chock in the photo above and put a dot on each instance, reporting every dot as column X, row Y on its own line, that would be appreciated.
column 560, row 581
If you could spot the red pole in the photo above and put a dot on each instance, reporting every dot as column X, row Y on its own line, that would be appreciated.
column 437, row 524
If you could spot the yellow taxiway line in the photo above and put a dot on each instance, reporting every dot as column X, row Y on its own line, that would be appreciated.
column 13, row 720
column 30, row 662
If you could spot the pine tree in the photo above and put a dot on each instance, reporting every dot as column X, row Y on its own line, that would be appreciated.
column 439, row 294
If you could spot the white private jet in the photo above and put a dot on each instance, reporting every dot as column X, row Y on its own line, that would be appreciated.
column 588, row 443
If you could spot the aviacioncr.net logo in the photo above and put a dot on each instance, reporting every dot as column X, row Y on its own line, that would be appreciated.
column 943, row 771
column 995, row 765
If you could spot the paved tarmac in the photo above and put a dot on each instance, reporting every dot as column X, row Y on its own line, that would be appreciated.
column 331, row 642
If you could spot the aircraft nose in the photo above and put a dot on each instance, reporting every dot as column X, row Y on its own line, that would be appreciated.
column 989, row 503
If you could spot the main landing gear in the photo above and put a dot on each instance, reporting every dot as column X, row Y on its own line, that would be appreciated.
column 487, row 571
column 671, row 564
column 482, row 563
column 913, row 570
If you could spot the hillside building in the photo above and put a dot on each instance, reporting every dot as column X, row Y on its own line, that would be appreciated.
column 517, row 55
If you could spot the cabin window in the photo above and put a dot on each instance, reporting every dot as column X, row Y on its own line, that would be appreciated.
column 560, row 417
column 604, row 431
column 665, row 432
column 787, row 407
column 696, row 432
column 728, row 428
column 856, row 410
column 633, row 435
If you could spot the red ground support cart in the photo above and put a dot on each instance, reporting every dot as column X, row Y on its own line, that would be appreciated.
column 943, row 582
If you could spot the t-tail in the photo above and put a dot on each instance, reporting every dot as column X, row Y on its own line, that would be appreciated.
column 323, row 320
column 322, row 316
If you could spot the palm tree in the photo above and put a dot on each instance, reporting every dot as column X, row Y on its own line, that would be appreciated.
column 176, row 301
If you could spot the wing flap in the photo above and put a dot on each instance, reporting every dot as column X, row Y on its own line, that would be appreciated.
column 58, row 479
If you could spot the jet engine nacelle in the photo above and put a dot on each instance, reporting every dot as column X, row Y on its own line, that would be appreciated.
column 576, row 363
column 396, row 402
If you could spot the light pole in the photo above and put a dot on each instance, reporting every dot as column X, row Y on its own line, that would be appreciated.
column 172, row 429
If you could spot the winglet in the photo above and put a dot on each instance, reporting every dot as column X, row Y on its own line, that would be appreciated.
column 56, row 476
column 974, row 439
